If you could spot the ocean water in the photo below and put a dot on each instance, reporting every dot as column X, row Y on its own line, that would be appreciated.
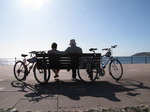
column 8, row 61
column 132, row 59
column 123, row 60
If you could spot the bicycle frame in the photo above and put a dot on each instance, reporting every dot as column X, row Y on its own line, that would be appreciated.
column 28, row 69
column 108, row 54
column 106, row 62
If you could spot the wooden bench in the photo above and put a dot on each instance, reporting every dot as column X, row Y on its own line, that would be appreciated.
column 68, row 61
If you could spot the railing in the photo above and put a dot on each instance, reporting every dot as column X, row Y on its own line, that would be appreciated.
column 134, row 59
column 131, row 59
column 123, row 60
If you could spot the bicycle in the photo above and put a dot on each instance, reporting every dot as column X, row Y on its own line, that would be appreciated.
column 88, row 67
column 115, row 66
column 22, row 68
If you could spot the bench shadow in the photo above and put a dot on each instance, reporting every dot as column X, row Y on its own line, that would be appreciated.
column 77, row 89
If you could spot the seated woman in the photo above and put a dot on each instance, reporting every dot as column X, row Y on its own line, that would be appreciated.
column 54, row 51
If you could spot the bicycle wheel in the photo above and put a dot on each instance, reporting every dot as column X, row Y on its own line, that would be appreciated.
column 86, row 72
column 115, row 69
column 41, row 72
column 94, row 70
column 20, row 70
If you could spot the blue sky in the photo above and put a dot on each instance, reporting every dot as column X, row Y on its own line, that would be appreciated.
column 27, row 25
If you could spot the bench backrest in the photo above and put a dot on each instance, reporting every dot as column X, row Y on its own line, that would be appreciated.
column 67, row 61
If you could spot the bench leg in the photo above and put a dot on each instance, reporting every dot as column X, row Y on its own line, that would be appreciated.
column 74, row 73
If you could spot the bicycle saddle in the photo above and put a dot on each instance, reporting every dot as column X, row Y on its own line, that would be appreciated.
column 92, row 49
column 105, row 49
column 24, row 55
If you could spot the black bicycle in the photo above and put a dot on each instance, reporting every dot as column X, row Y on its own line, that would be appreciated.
column 88, row 68
column 23, row 68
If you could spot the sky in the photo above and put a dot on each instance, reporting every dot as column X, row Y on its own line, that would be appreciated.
column 33, row 25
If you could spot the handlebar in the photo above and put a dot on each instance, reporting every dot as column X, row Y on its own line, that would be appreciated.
column 33, row 52
column 109, row 51
column 114, row 46
column 109, row 48
column 37, row 52
column 105, row 49
column 92, row 49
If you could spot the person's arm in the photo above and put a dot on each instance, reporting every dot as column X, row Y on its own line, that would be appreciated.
column 64, row 52
column 67, row 51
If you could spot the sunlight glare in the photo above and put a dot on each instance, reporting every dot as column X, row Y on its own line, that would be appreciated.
column 37, row 4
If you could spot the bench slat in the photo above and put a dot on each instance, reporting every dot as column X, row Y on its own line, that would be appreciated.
column 55, row 61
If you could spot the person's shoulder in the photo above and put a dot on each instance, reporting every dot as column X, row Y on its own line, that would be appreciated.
column 49, row 51
column 68, row 48
column 79, row 47
column 54, row 52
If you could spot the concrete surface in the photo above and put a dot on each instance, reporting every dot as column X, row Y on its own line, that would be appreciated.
column 67, row 95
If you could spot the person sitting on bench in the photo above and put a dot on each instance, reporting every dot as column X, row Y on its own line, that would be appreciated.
column 73, row 49
column 54, row 51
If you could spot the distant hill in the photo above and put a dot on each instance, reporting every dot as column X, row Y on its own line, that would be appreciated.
column 142, row 54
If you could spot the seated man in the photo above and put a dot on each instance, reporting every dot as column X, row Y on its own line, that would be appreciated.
column 73, row 49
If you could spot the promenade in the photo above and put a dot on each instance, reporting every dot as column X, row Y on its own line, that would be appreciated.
column 67, row 95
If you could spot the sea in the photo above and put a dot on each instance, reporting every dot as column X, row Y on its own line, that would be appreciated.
column 8, row 61
column 123, row 60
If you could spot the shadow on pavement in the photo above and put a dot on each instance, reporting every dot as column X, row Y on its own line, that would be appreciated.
column 76, row 90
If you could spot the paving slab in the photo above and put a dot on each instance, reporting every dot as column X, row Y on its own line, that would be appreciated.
column 65, row 103
column 119, row 100
column 42, row 105
column 9, row 99
column 140, row 95
column 67, row 95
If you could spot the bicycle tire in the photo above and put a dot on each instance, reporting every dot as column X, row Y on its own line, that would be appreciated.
column 94, row 71
column 41, row 72
column 85, row 72
column 116, row 69
column 20, row 71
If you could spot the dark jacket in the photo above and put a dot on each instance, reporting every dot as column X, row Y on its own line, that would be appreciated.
column 73, row 49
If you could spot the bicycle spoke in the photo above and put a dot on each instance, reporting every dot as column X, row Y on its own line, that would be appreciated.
column 41, row 72
column 115, row 69
column 19, row 71
column 114, row 66
column 87, row 73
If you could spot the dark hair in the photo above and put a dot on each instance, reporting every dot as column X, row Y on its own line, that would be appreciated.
column 54, row 45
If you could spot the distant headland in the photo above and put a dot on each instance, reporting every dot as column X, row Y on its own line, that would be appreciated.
column 142, row 54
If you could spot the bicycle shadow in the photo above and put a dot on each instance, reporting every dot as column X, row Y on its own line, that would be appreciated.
column 77, row 89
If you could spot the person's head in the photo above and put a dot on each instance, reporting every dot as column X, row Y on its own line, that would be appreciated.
column 54, row 46
column 72, row 42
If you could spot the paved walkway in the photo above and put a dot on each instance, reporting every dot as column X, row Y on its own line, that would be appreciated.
column 132, row 90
